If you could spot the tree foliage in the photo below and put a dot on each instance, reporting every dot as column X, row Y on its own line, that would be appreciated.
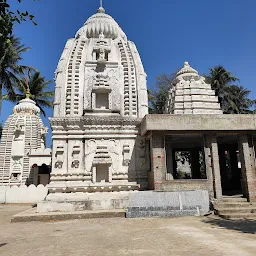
column 38, row 91
column 10, row 70
column 233, row 99
column 238, row 101
column 11, row 49
column 9, row 18
column 158, row 97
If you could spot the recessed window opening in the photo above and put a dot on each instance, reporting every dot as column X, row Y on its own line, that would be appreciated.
column 102, row 101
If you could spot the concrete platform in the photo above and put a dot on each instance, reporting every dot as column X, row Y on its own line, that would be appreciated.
column 32, row 215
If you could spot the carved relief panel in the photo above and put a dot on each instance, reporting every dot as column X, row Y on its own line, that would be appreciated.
column 102, row 91
column 98, row 152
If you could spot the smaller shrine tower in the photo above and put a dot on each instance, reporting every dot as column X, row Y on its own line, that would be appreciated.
column 23, row 134
column 190, row 94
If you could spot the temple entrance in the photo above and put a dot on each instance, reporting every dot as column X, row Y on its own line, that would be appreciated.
column 230, row 167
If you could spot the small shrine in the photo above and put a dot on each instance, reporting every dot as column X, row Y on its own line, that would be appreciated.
column 23, row 156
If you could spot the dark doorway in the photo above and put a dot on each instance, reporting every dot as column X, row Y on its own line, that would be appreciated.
column 185, row 157
column 230, row 169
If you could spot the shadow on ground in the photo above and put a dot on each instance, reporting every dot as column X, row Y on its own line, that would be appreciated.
column 242, row 225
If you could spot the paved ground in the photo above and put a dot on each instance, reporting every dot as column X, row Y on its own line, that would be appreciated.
column 188, row 236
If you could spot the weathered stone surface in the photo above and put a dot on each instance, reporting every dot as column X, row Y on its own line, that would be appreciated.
column 68, row 202
column 168, row 204
column 160, row 213
column 31, row 215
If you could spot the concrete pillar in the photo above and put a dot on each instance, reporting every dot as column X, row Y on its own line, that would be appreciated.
column 158, row 164
column 169, row 160
column 247, row 157
column 216, row 167
column 208, row 164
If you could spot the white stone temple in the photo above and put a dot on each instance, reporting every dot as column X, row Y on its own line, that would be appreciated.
column 100, row 99
column 106, row 147
column 190, row 94
column 22, row 148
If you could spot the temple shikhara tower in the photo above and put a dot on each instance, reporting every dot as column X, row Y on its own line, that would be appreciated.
column 190, row 94
column 23, row 154
column 100, row 99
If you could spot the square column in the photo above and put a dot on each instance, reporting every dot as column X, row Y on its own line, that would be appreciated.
column 216, row 167
column 208, row 163
column 158, row 164
column 246, row 151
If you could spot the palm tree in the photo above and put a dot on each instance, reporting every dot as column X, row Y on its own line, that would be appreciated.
column 10, row 70
column 38, row 91
column 219, row 78
column 237, row 100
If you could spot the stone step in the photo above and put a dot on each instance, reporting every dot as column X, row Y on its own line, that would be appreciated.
column 238, row 216
column 235, row 210
column 231, row 205
column 233, row 199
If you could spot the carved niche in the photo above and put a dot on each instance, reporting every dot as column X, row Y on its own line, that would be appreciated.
column 102, row 81
column 102, row 152
column 75, row 155
column 126, row 154
column 16, row 170
column 59, row 156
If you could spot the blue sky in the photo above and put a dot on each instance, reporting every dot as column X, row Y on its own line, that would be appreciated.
column 166, row 32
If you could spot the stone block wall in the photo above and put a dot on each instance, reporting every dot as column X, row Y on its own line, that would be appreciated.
column 168, row 204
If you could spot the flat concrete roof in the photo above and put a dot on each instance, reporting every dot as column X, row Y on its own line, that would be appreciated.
column 195, row 122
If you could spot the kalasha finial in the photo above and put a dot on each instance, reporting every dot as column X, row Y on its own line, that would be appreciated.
column 28, row 94
column 101, row 9
column 186, row 64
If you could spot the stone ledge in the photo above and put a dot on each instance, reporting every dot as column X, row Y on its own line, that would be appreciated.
column 31, row 215
column 198, row 122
